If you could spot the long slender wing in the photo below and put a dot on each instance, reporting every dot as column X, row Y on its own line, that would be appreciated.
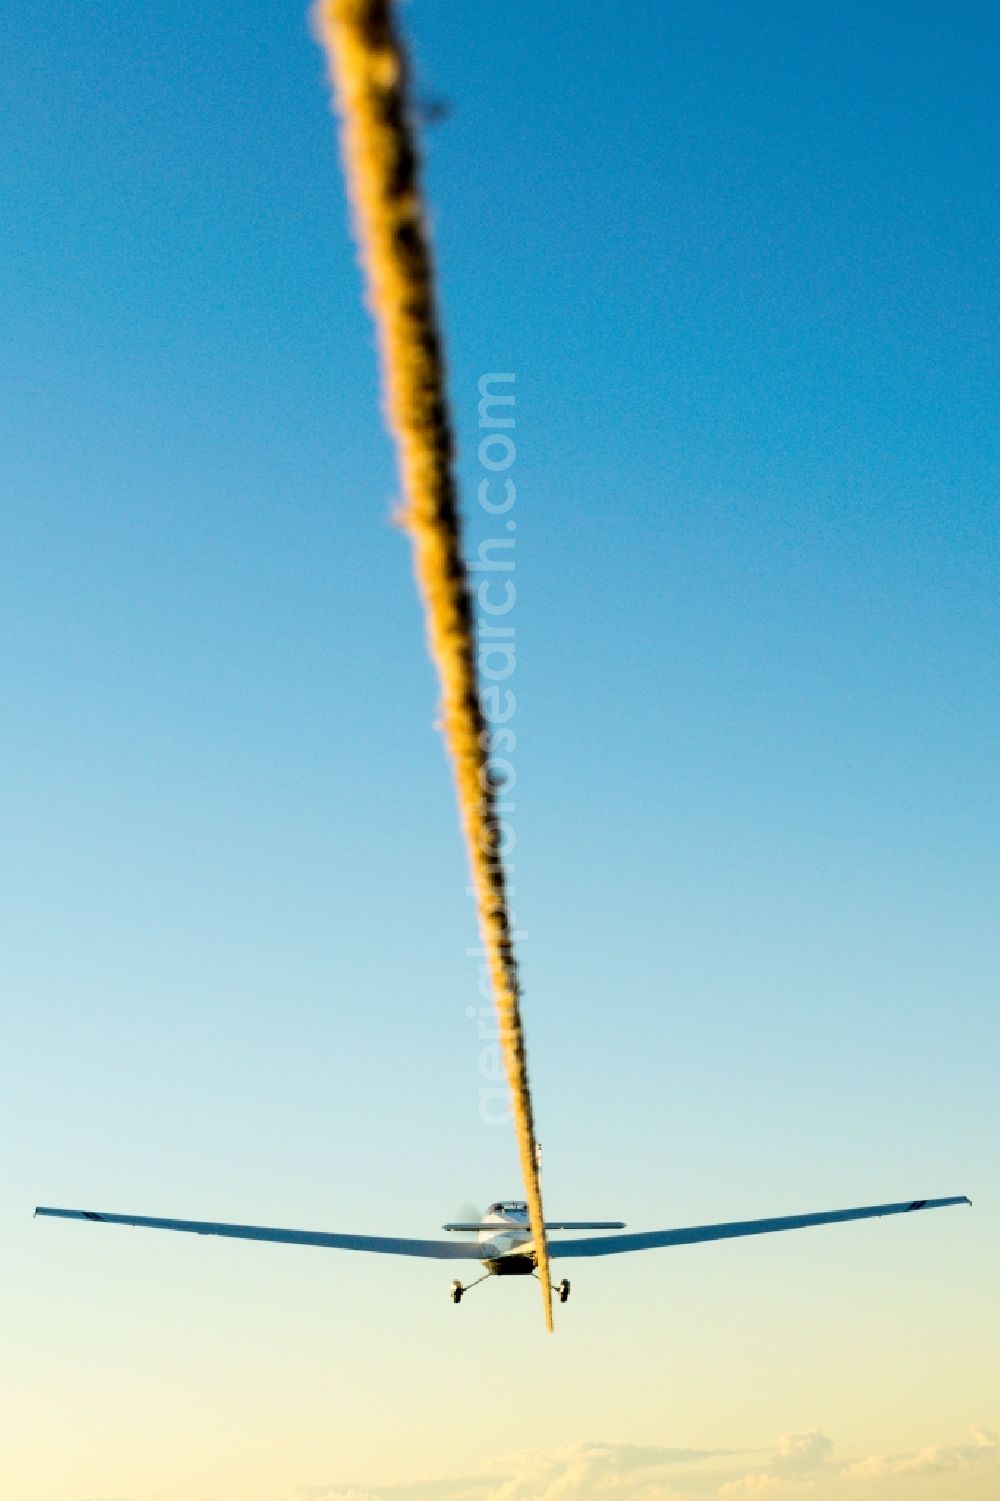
column 445, row 1250
column 613, row 1245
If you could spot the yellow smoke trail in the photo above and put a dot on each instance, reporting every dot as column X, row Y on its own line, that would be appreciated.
column 369, row 72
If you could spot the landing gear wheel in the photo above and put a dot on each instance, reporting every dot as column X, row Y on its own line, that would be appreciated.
column 456, row 1292
column 563, row 1290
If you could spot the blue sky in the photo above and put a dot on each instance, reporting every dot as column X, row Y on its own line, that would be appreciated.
column 740, row 260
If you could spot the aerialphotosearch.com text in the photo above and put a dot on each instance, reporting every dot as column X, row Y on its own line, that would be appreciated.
column 492, row 572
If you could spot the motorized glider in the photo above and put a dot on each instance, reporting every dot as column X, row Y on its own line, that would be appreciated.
column 503, row 1243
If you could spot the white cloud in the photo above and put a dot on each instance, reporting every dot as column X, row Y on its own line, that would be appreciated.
column 933, row 1459
column 797, row 1457
column 586, row 1469
column 629, row 1472
column 801, row 1452
column 798, row 1465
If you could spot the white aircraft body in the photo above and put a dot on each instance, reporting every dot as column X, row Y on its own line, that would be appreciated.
column 503, row 1244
